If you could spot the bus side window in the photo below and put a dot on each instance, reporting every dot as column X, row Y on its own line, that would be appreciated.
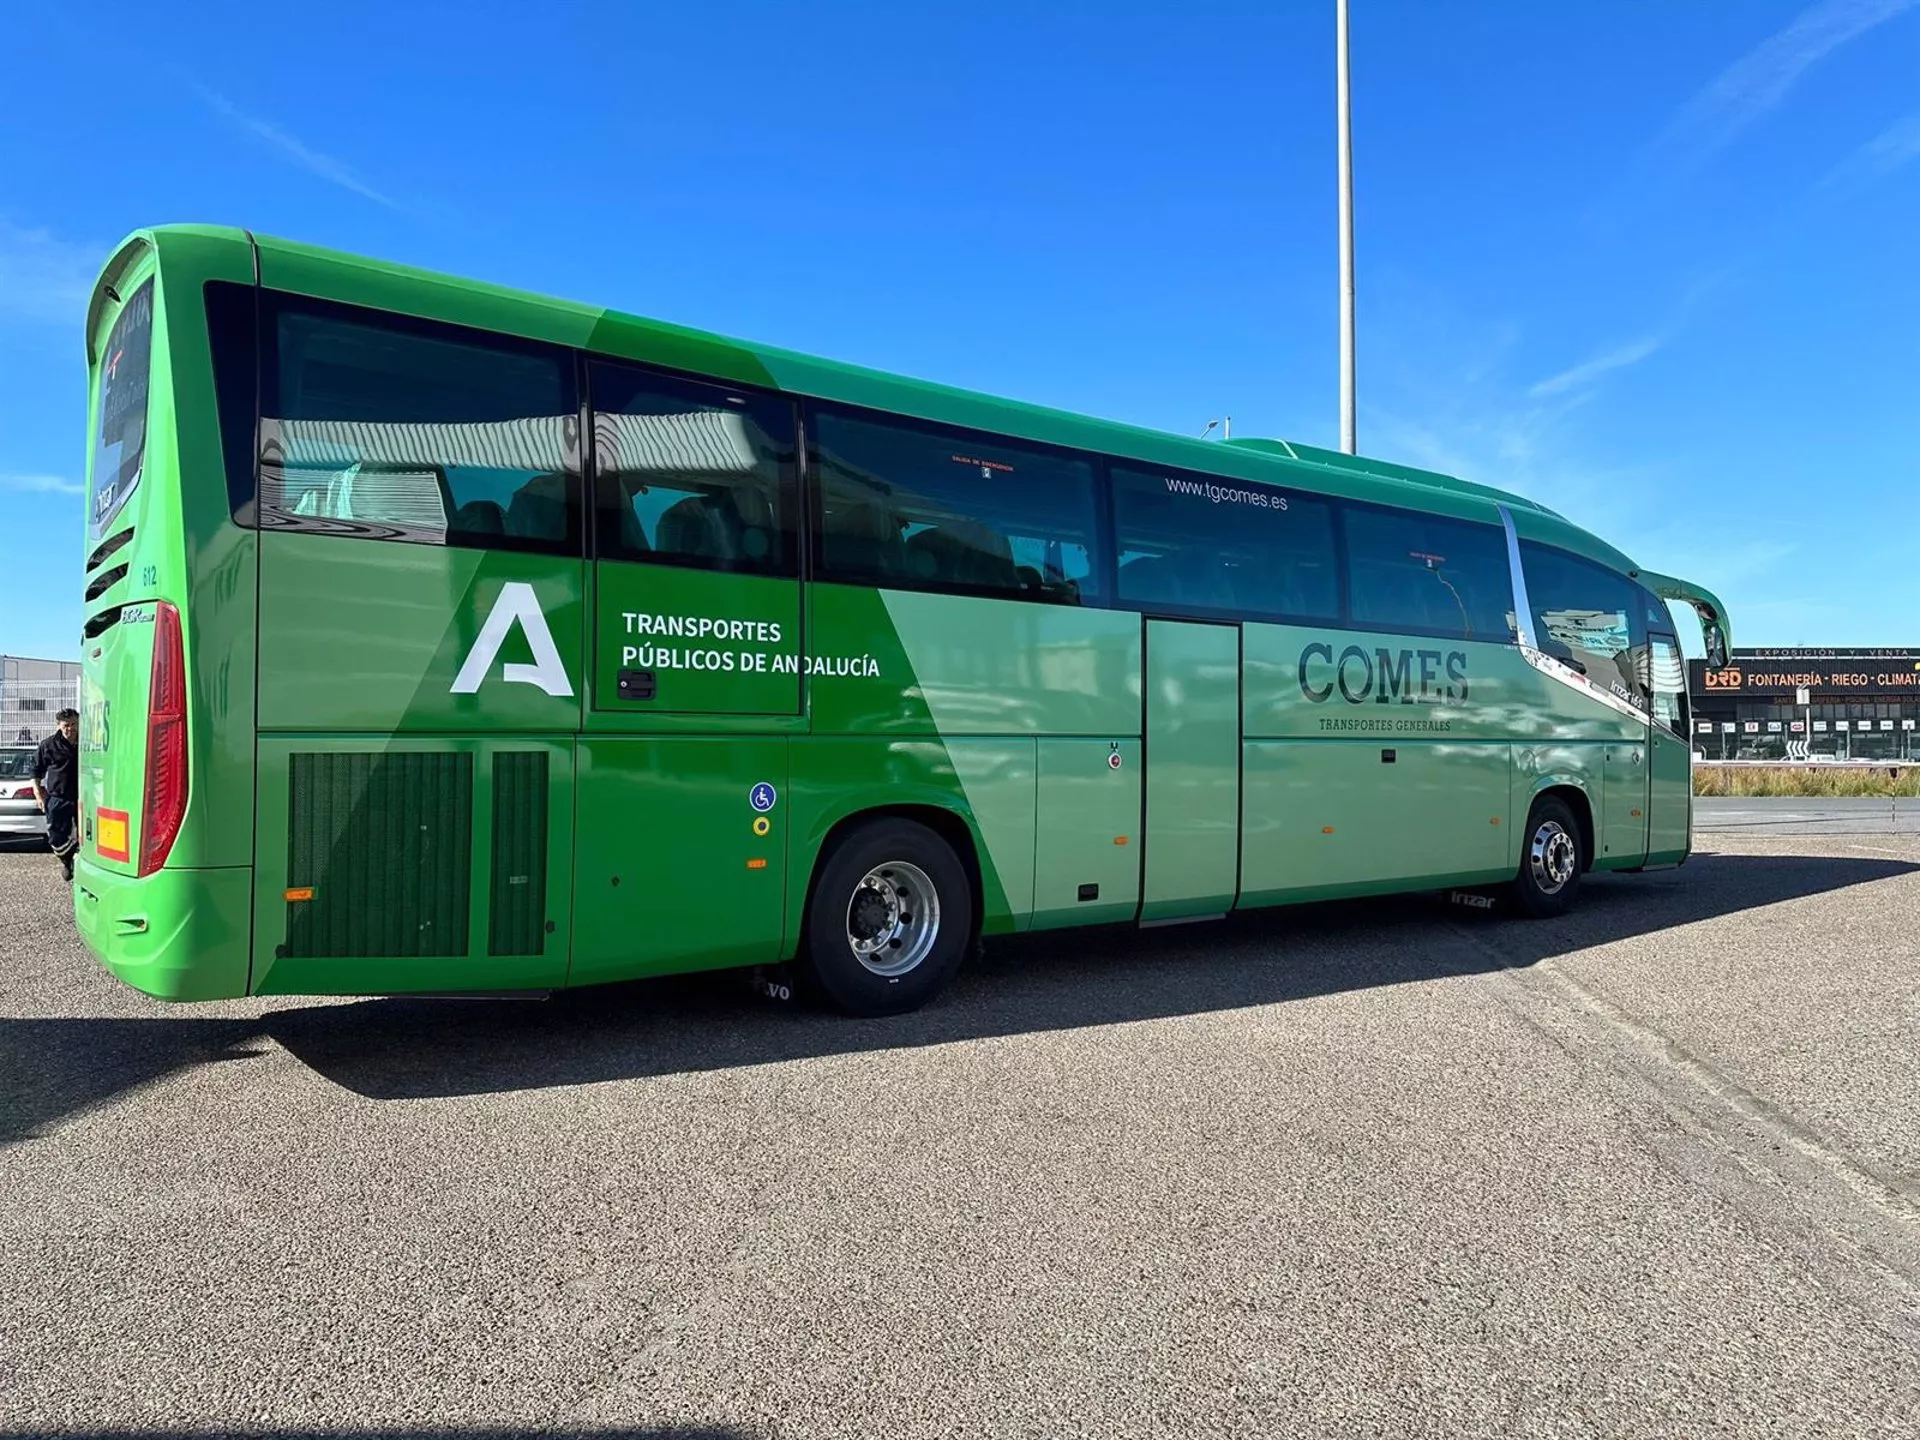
column 925, row 507
column 385, row 427
column 1585, row 612
column 692, row 474
column 1204, row 543
column 1427, row 574
column 1668, row 691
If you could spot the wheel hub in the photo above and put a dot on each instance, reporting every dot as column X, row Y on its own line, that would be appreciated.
column 893, row 918
column 1553, row 857
column 875, row 913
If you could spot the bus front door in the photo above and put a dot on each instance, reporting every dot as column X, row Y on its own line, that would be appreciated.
column 1623, row 804
column 1192, row 762
column 1670, row 763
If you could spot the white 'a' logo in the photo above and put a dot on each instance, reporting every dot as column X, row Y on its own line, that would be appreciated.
column 517, row 602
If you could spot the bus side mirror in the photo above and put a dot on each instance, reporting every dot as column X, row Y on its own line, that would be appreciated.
column 1716, row 644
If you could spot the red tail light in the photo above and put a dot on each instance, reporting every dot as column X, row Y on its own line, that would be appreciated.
column 166, row 791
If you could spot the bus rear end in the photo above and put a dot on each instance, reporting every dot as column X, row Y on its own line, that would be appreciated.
column 162, row 874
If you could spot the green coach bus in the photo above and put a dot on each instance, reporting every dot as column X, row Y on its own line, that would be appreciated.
column 444, row 638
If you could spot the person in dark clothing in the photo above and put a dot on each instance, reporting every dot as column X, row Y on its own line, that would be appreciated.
column 56, row 784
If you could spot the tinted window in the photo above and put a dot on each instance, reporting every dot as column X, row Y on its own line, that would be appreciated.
column 690, row 474
column 1654, row 612
column 231, row 332
column 387, row 428
column 912, row 507
column 120, row 434
column 1581, row 611
column 1590, row 615
column 1208, row 543
column 1663, row 670
column 1669, row 683
column 1408, row 571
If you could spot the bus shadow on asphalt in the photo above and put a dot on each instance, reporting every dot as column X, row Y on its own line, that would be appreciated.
column 414, row 1049
column 420, row 1048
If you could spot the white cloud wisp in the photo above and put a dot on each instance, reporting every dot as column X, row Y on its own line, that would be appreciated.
column 1763, row 77
column 41, row 484
column 1582, row 376
column 44, row 279
column 314, row 162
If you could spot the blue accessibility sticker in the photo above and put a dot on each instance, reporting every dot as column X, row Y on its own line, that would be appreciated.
column 762, row 797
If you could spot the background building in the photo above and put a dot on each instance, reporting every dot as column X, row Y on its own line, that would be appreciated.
column 1861, row 705
column 32, row 692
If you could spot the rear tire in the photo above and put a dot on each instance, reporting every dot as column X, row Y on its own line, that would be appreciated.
column 890, row 918
column 1552, row 860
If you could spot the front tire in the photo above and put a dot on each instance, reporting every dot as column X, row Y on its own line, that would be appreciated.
column 889, row 920
column 1552, row 860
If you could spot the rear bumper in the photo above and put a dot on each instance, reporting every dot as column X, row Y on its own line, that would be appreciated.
column 175, row 934
column 22, row 824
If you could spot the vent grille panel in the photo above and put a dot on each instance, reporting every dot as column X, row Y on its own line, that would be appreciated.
column 385, row 845
column 518, row 904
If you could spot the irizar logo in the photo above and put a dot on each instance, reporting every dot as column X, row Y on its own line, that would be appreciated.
column 517, row 602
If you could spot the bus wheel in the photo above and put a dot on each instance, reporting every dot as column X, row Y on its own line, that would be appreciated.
column 1550, row 860
column 889, row 919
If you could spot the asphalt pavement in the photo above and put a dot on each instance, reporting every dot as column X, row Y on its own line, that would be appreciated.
column 1848, row 815
column 1388, row 1168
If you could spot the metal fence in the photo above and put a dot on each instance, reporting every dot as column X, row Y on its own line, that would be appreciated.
column 28, row 708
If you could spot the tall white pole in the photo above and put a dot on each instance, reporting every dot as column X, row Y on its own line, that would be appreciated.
column 1348, row 437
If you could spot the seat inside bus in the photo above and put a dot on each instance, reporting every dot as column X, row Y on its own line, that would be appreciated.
column 964, row 553
column 861, row 538
column 726, row 526
column 538, row 509
column 480, row 517
column 1247, row 581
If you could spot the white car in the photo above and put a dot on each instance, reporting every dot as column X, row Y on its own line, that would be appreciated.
column 20, row 817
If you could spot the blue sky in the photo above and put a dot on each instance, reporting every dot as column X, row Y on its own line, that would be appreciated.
column 1651, row 263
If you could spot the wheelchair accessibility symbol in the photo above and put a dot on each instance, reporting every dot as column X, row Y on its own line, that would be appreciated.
column 762, row 797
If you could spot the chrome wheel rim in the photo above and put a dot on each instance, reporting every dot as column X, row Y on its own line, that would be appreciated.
column 1554, row 857
column 893, row 918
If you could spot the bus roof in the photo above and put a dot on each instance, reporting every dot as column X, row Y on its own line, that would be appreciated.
column 617, row 333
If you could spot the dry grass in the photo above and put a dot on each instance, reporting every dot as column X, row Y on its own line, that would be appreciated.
column 1805, row 780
